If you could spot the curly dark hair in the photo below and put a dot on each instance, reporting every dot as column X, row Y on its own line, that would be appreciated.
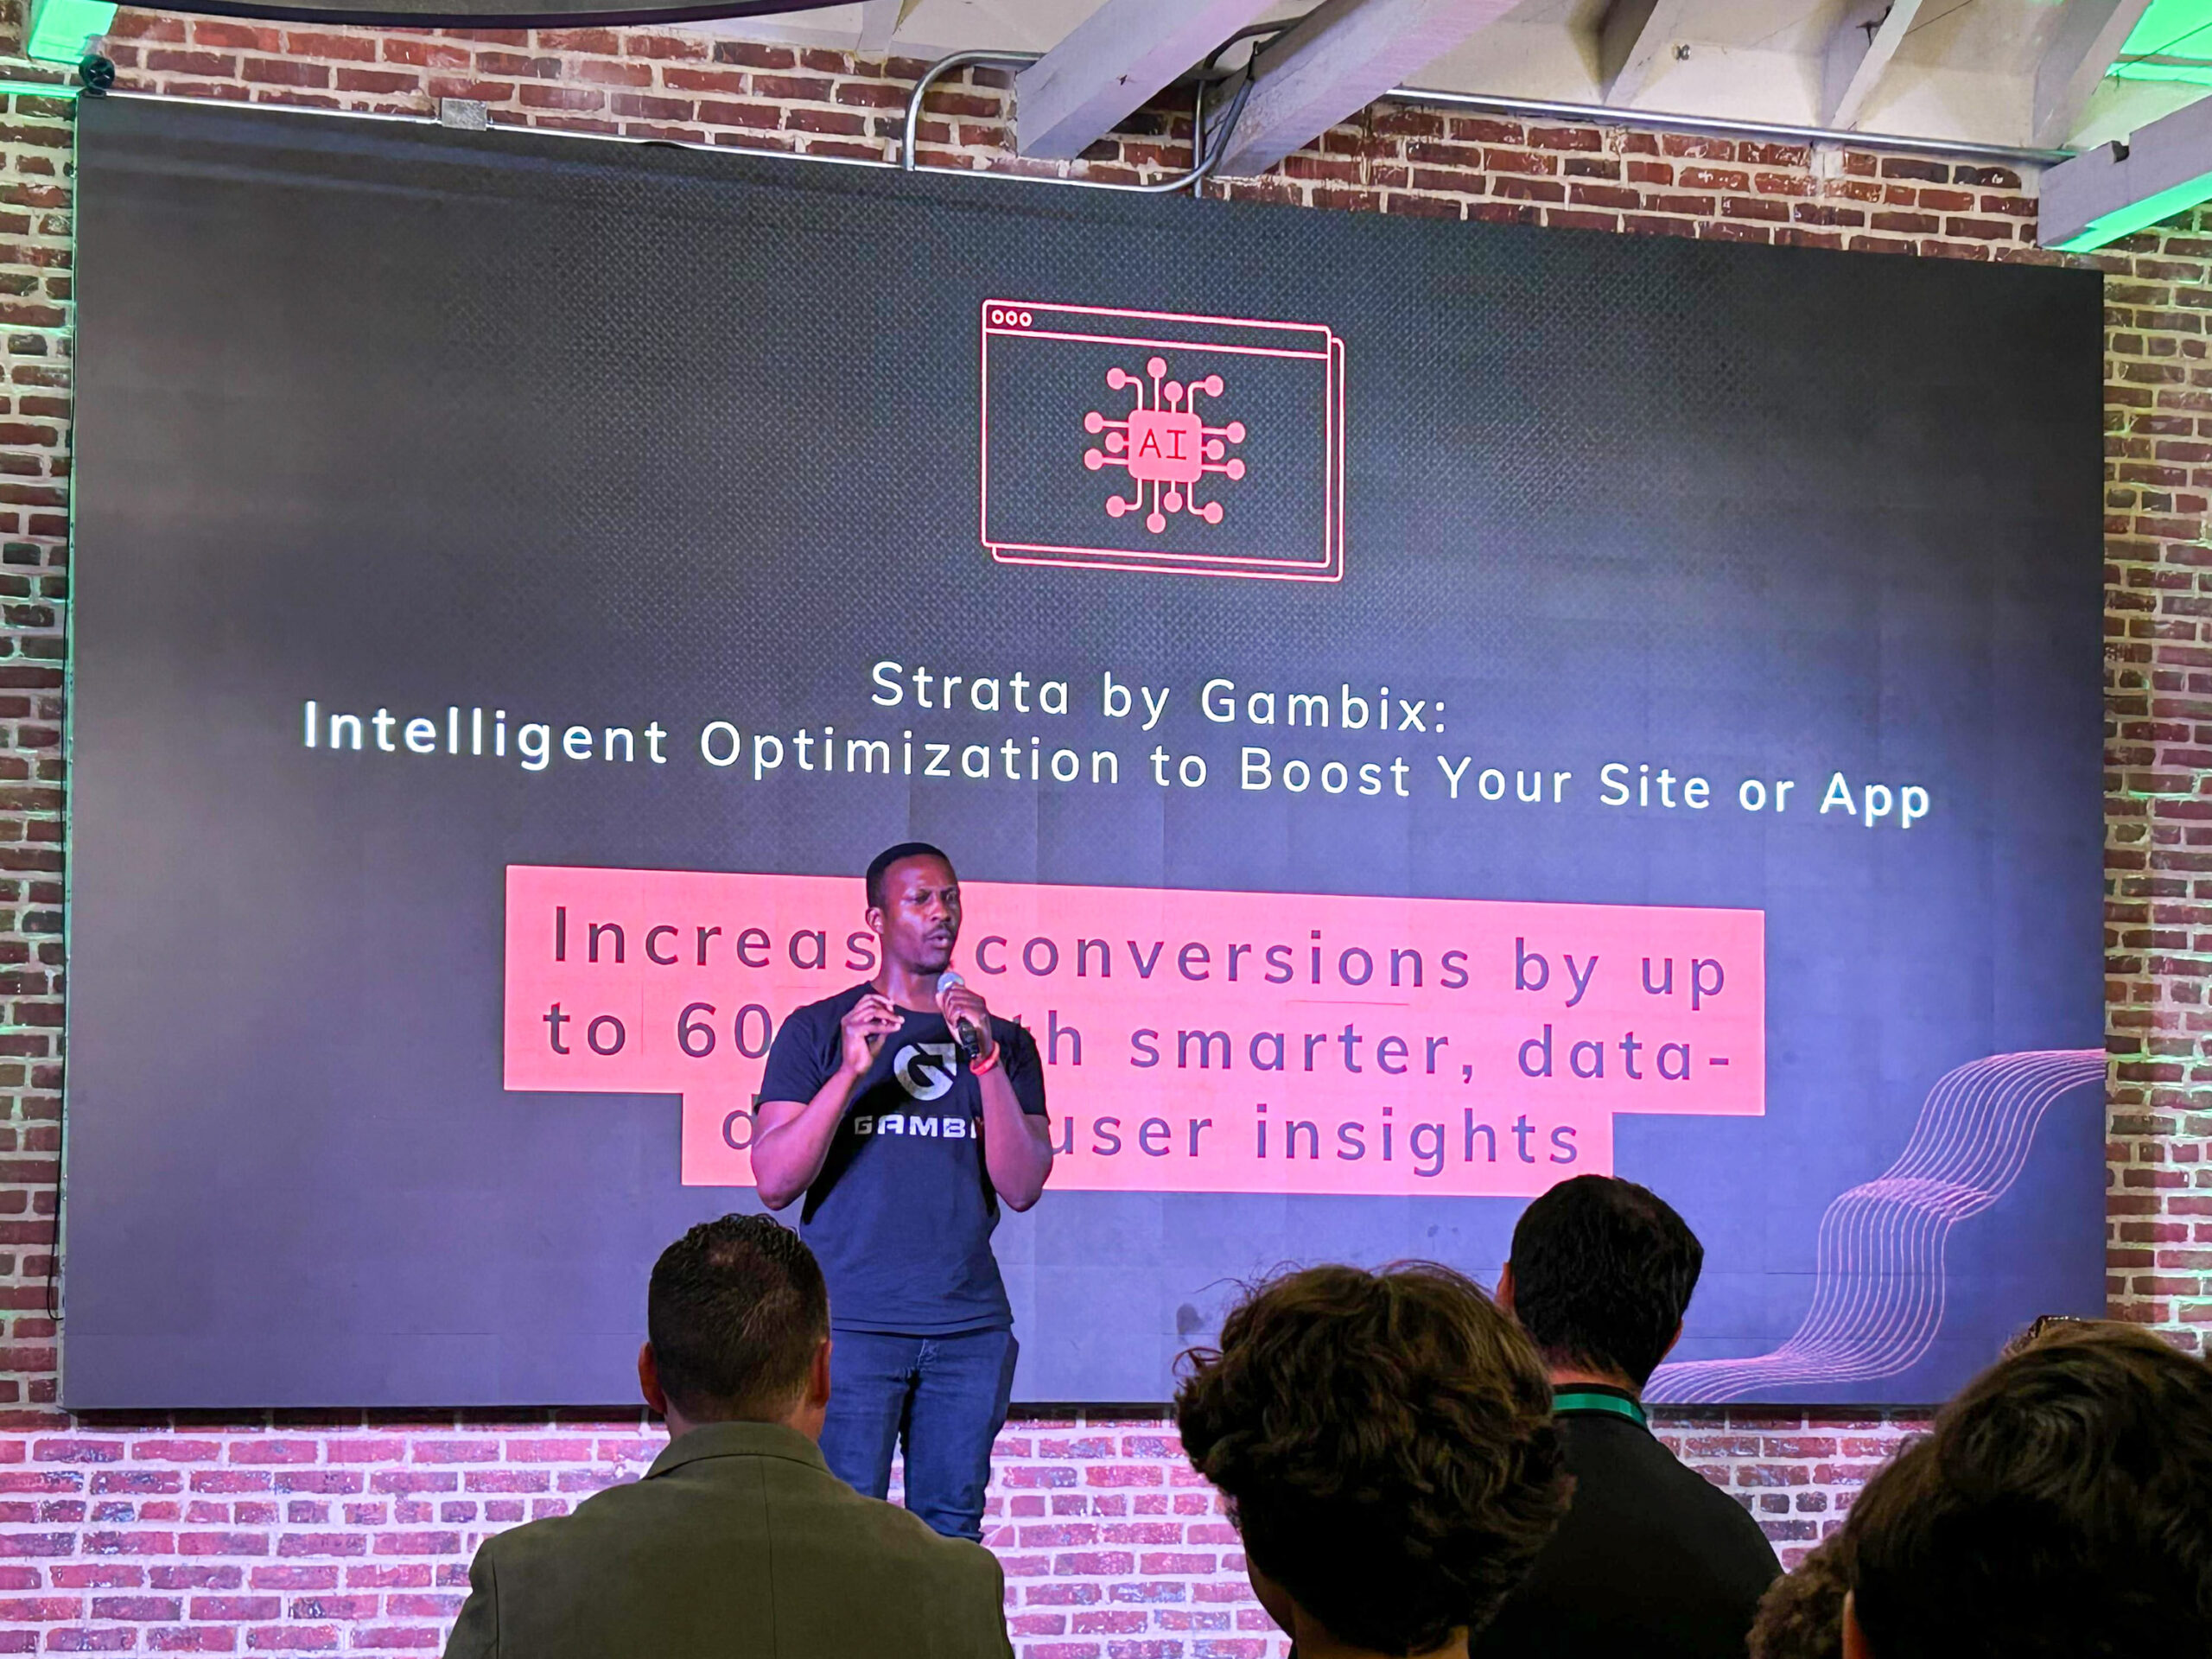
column 2058, row 1510
column 1800, row 1616
column 1385, row 1443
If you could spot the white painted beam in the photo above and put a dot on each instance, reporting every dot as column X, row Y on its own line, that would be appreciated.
column 2116, row 189
column 1114, row 61
column 880, row 21
column 1338, row 59
column 2090, row 36
column 1629, row 41
column 1859, row 51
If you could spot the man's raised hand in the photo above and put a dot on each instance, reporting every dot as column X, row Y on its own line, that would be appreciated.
column 870, row 1021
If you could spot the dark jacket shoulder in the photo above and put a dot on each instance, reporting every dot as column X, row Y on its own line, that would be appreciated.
column 1651, row 1559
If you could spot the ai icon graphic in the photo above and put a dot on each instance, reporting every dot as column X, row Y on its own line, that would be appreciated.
column 1161, row 441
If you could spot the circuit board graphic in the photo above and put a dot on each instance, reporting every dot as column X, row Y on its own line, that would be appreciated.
column 1161, row 441
column 1164, row 442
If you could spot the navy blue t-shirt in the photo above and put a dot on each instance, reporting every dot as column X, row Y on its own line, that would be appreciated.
column 901, row 1215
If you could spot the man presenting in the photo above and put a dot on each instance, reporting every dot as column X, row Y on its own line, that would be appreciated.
column 905, row 1114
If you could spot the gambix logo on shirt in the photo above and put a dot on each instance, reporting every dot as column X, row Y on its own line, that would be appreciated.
column 1161, row 441
column 926, row 1071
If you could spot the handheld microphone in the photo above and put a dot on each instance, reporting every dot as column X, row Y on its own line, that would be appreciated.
column 971, row 1041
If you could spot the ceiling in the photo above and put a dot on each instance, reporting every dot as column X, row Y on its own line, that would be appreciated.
column 1962, row 70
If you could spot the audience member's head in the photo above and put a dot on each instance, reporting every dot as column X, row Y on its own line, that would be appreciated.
column 1801, row 1617
column 1600, row 1275
column 737, row 1324
column 2046, row 1324
column 1385, row 1444
column 2062, row 1508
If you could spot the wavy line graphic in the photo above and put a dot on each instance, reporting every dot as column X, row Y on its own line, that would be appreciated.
column 1879, row 1281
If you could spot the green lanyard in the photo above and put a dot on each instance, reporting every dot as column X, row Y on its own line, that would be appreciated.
column 1590, row 1400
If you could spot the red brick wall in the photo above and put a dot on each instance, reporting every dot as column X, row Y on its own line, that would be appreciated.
column 351, row 1534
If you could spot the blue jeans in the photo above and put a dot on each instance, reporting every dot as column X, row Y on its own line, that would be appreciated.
column 943, row 1397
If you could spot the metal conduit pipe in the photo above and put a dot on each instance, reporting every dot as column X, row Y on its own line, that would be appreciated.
column 1607, row 115
column 1205, row 154
column 937, row 72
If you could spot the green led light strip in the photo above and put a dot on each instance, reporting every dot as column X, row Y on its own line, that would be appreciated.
column 2192, row 72
column 2170, row 42
column 2136, row 215
column 62, row 31
column 2165, row 27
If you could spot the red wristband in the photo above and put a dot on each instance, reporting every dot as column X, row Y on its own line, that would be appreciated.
column 989, row 1061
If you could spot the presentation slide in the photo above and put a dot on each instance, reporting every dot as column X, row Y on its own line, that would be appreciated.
column 1418, row 711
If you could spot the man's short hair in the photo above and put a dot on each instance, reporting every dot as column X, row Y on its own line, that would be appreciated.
column 1603, row 1271
column 1385, row 1443
column 2061, row 1508
column 735, row 1311
column 883, row 860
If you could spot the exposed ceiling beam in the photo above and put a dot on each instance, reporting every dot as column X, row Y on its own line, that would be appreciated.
column 1338, row 59
column 1113, row 61
column 1858, row 53
column 2115, row 190
column 2090, row 36
column 1629, row 41
column 880, row 21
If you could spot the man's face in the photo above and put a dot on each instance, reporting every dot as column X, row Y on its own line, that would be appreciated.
column 920, row 920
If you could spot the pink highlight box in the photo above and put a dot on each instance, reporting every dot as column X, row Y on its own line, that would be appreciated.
column 1158, row 434
column 1194, row 1041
